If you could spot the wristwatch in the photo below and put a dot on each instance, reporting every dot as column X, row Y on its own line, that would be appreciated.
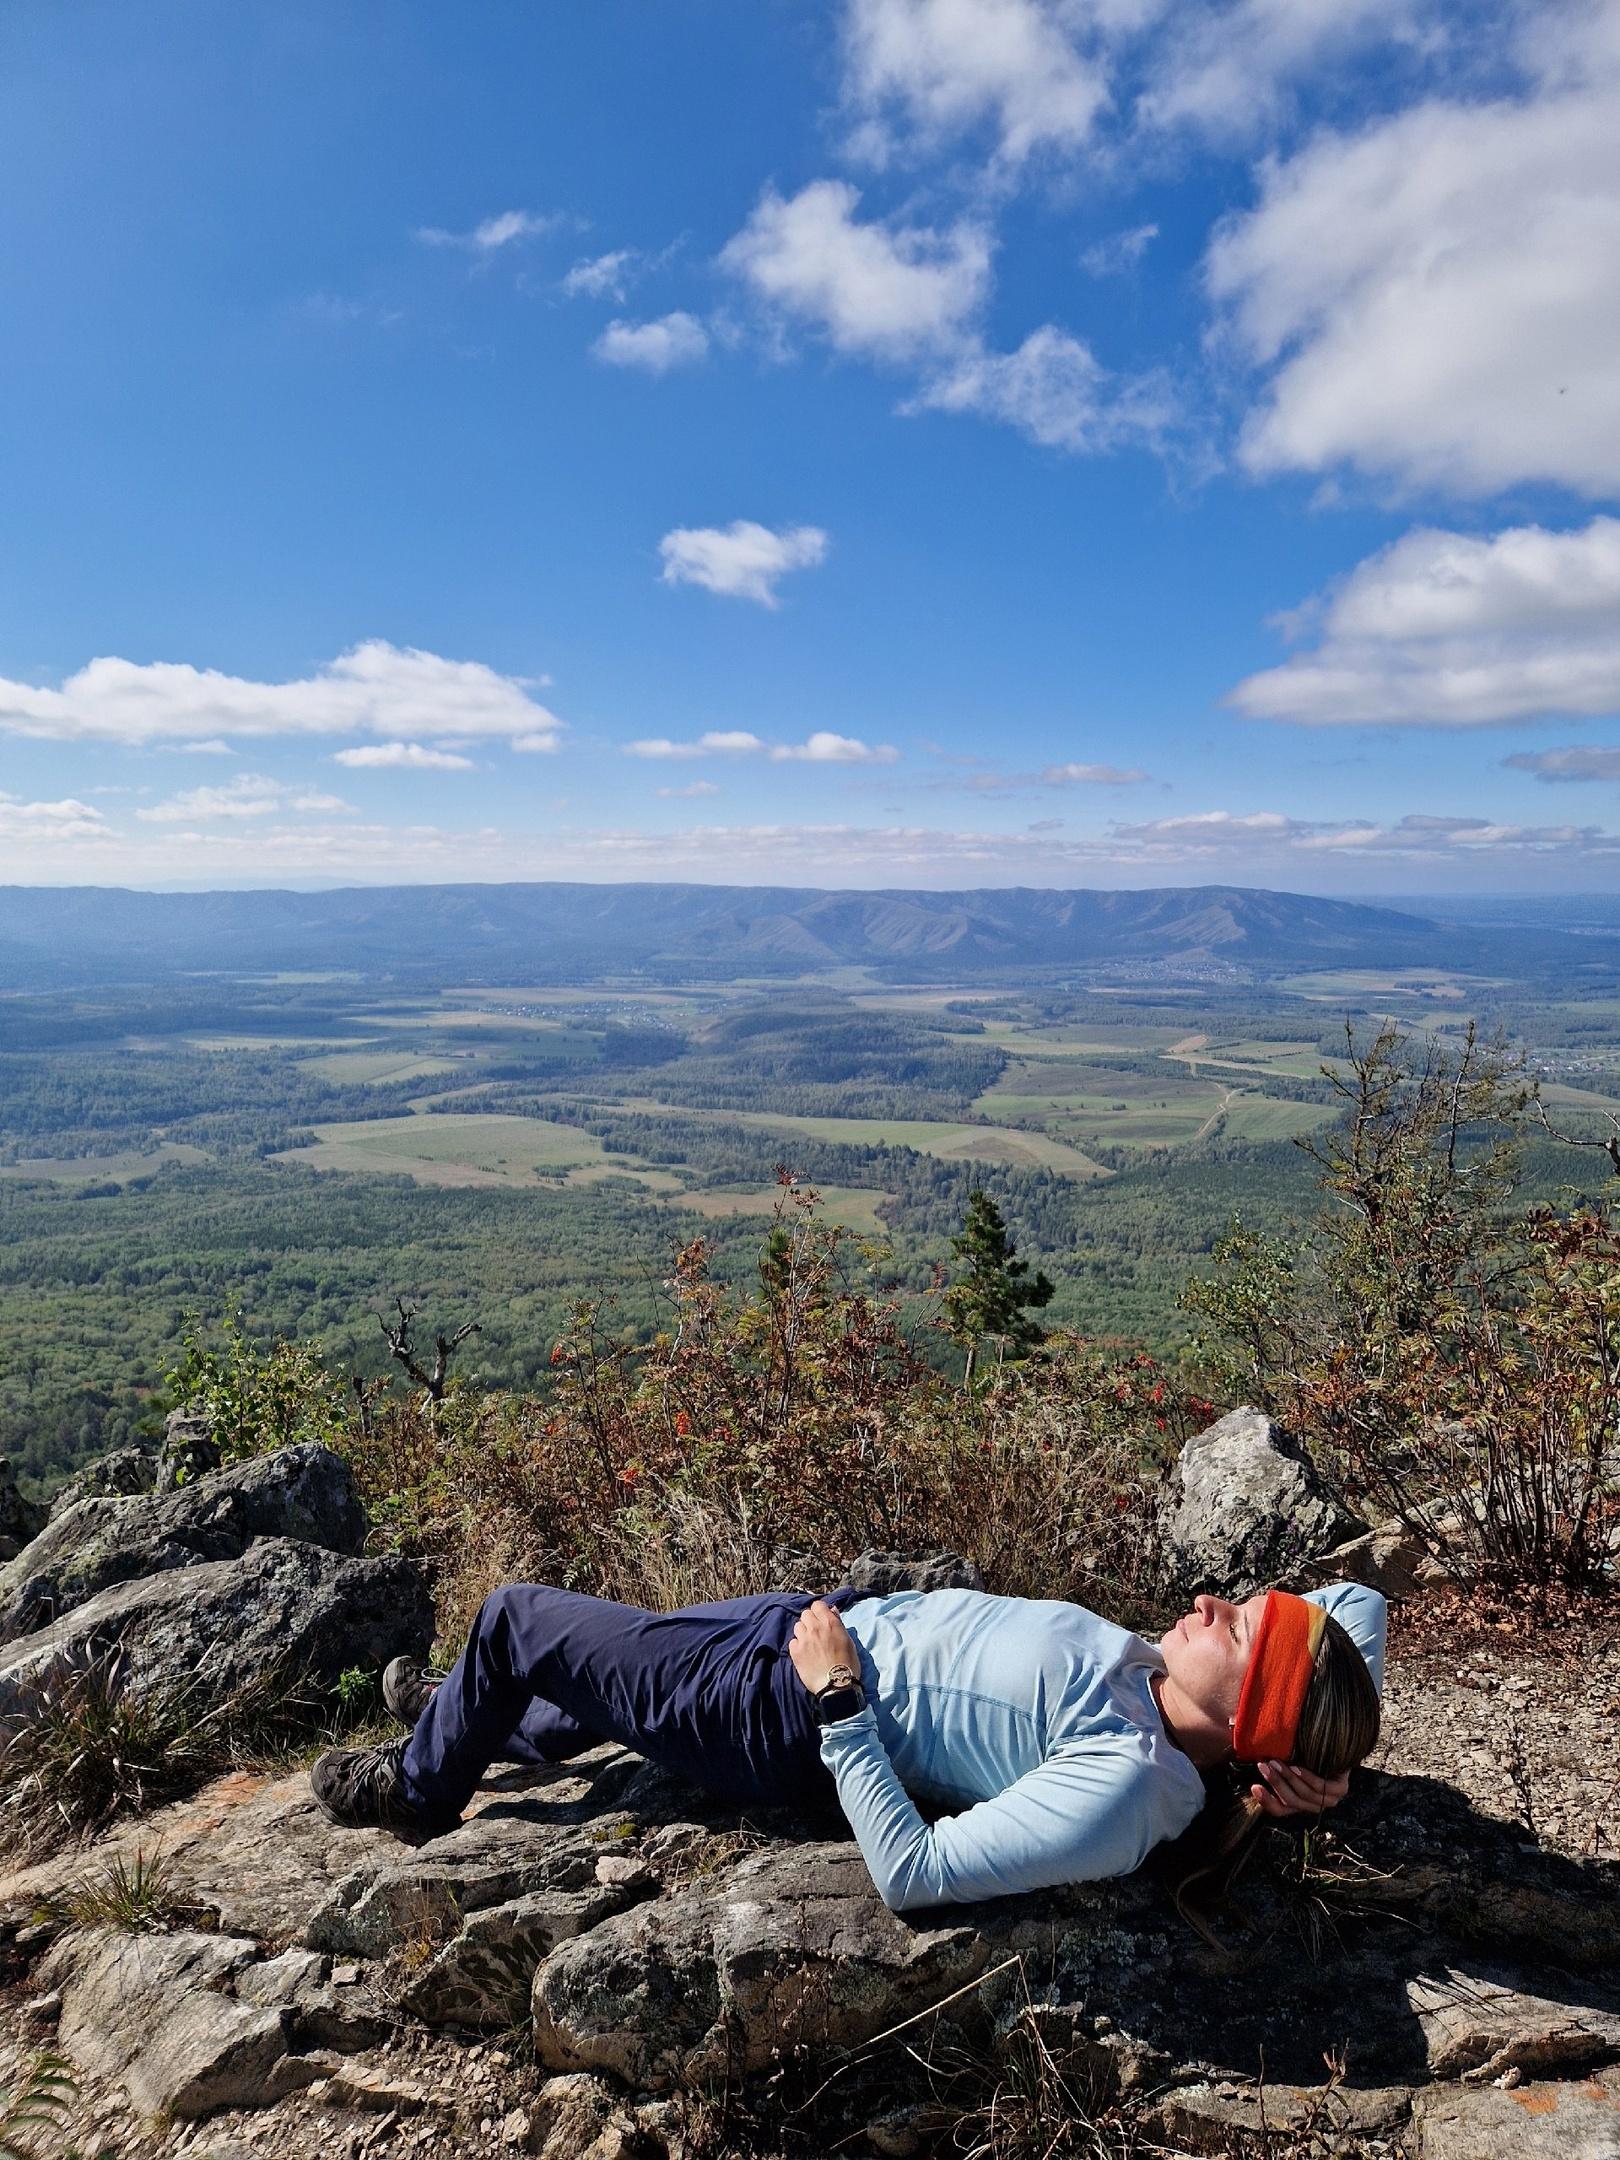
column 840, row 1696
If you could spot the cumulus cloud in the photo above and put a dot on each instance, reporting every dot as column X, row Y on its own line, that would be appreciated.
column 1445, row 629
column 1430, row 297
column 601, row 277
column 253, row 795
column 1223, row 70
column 931, row 69
column 826, row 748
column 410, row 756
column 494, row 233
column 718, row 742
column 876, row 288
column 373, row 689
column 672, row 341
column 1578, row 762
column 913, row 296
column 1053, row 390
column 66, row 819
column 742, row 560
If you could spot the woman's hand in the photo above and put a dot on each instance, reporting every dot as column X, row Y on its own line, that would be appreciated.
column 821, row 1641
column 1290, row 1790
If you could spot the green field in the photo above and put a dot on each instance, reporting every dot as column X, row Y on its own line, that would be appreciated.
column 847, row 1204
column 463, row 1150
column 100, row 1169
column 929, row 1136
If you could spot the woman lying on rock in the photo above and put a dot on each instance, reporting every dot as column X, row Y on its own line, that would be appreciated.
column 1066, row 1747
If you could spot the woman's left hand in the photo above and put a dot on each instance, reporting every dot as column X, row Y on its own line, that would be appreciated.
column 821, row 1641
column 1286, row 1789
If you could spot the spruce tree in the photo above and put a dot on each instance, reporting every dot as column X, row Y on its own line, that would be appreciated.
column 996, row 1294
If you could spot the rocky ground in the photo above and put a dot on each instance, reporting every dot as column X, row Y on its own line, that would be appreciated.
column 598, row 1963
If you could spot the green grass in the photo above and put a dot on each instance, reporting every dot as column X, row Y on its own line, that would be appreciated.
column 845, row 1204
column 102, row 1169
column 454, row 1150
column 951, row 1142
column 374, row 1067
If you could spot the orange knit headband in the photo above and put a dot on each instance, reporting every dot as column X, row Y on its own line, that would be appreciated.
column 1278, row 1678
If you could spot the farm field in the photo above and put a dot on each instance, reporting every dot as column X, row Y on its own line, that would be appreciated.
column 950, row 1142
column 98, row 1169
column 464, row 1150
column 502, row 1151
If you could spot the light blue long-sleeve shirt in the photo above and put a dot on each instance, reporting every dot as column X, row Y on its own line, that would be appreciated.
column 1035, row 1722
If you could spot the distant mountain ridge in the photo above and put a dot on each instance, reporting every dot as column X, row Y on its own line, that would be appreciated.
column 515, row 932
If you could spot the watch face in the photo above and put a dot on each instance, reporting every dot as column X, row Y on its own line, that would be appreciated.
column 836, row 1703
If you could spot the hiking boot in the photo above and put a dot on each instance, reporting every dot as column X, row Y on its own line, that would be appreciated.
column 407, row 1688
column 364, row 1789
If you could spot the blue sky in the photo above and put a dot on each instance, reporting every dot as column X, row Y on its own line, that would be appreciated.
column 878, row 442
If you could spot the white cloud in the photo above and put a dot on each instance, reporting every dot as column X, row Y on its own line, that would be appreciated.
column 1224, row 69
column 1433, row 296
column 253, row 795
column 67, row 819
column 1092, row 776
column 416, row 757
column 1119, row 252
column 883, row 289
column 941, row 67
column 1579, row 762
column 718, row 742
column 696, row 787
column 495, row 232
column 677, row 340
column 826, row 748
column 1445, row 629
column 601, row 277
column 1267, row 835
column 743, row 560
column 1053, row 390
column 373, row 689
column 1267, row 847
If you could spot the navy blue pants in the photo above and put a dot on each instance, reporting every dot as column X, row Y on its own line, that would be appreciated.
column 709, row 1693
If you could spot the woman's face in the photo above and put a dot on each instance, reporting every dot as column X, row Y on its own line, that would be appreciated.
column 1207, row 1652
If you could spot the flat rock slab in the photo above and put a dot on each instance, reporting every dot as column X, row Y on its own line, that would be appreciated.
column 251, row 1847
column 1543, row 2120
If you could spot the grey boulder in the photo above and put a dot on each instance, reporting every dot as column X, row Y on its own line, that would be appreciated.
column 303, row 1492
column 794, row 1951
column 881, row 1574
column 189, row 1450
column 125, row 1472
column 1244, row 1508
column 283, row 1610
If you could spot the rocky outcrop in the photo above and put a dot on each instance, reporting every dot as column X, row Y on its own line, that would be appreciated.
column 793, row 1951
column 126, row 1472
column 282, row 1610
column 189, row 1450
column 880, row 1574
column 1244, row 1509
column 1461, row 1967
column 21, row 1519
column 300, row 1492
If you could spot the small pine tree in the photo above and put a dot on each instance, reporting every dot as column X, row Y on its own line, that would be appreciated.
column 996, row 1294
